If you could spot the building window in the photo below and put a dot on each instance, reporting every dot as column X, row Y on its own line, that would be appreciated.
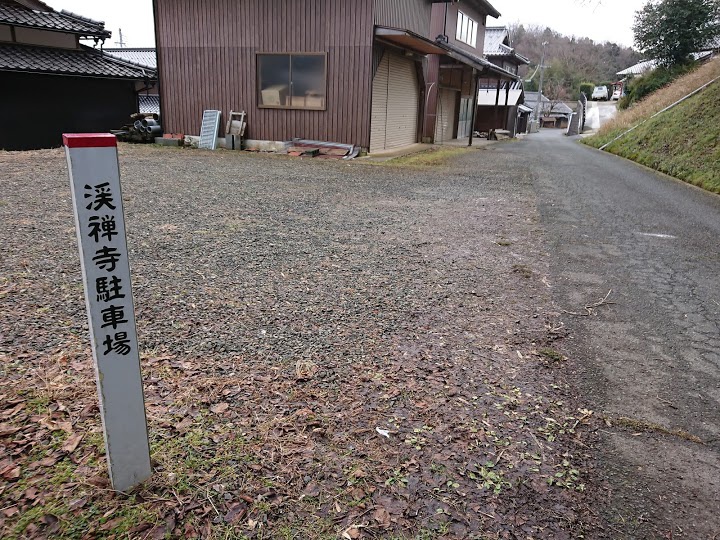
column 466, row 29
column 292, row 81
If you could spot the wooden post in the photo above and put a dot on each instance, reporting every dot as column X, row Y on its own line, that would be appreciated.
column 474, row 106
column 100, row 226
column 507, row 98
column 491, row 132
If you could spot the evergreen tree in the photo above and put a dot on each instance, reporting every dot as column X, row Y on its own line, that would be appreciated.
column 670, row 30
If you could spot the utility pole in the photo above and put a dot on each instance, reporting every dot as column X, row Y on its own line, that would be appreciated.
column 538, row 104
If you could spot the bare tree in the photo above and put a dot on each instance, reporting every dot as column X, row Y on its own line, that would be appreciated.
column 556, row 92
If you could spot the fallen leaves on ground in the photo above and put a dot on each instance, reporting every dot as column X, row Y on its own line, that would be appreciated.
column 338, row 356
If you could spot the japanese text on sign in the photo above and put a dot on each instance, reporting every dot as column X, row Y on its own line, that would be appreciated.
column 101, row 228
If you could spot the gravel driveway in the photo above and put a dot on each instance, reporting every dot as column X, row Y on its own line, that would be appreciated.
column 287, row 308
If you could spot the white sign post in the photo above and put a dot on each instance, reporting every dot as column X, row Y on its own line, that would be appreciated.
column 100, row 225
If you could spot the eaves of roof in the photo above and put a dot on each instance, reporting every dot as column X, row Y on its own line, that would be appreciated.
column 509, row 54
column 483, row 6
column 483, row 65
column 83, row 62
column 486, row 7
column 16, row 15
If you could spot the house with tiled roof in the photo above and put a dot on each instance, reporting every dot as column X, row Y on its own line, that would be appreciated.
column 553, row 112
column 149, row 100
column 500, row 102
column 53, row 83
column 499, row 51
column 144, row 56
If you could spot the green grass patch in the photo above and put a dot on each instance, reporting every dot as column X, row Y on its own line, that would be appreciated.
column 551, row 354
column 683, row 142
column 432, row 157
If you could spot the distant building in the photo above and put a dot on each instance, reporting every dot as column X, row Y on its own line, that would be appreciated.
column 500, row 101
column 710, row 50
column 149, row 99
column 551, row 113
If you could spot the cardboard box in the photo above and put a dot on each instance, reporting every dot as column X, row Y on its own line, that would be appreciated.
column 275, row 95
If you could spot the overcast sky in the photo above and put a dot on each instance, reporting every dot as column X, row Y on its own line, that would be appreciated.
column 600, row 20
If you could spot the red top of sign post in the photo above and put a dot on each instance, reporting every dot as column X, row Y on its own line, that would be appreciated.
column 89, row 140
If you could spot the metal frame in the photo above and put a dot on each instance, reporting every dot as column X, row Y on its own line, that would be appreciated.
column 290, row 54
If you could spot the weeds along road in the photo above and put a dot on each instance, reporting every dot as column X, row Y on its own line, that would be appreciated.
column 651, row 360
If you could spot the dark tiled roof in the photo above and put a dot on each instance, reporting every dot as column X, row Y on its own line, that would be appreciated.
column 84, row 62
column 486, row 67
column 149, row 104
column 50, row 20
column 142, row 56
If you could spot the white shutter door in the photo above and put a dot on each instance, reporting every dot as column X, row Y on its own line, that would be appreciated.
column 378, row 119
column 403, row 103
column 445, row 120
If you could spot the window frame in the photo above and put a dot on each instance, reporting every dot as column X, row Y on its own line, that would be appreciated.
column 466, row 29
column 290, row 54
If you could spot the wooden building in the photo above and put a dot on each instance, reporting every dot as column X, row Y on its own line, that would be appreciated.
column 500, row 101
column 454, row 78
column 53, row 84
column 373, row 73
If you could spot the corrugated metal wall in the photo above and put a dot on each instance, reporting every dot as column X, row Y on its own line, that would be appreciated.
column 395, row 103
column 402, row 102
column 412, row 15
column 206, row 54
column 379, row 105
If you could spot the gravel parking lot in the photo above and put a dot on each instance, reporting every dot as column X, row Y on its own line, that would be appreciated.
column 288, row 308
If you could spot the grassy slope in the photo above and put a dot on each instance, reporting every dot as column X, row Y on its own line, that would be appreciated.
column 683, row 142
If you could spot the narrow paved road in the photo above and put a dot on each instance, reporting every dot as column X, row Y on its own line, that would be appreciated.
column 599, row 113
column 653, row 356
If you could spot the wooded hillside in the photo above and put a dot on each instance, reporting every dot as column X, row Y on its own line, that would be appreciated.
column 571, row 61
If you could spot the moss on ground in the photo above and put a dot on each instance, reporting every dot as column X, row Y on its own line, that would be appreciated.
column 429, row 158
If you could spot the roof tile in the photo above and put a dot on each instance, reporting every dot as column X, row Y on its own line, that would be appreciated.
column 143, row 56
column 84, row 62
column 50, row 20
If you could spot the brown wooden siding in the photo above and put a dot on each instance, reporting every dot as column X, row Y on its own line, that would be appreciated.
column 413, row 15
column 432, row 75
column 452, row 27
column 207, row 60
